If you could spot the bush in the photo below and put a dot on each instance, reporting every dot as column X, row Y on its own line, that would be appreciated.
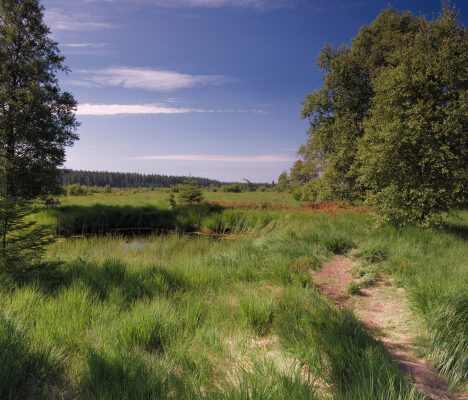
column 296, row 192
column 233, row 188
column 189, row 193
column 77, row 190
column 313, row 190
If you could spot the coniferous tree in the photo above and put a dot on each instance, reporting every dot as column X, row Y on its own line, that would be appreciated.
column 37, row 121
column 189, row 193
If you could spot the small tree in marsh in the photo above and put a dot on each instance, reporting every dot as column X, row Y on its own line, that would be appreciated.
column 283, row 182
column 36, row 124
column 189, row 193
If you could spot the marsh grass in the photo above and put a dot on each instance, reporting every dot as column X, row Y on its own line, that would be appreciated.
column 179, row 316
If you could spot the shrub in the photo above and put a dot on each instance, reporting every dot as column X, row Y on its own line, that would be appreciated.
column 189, row 193
column 77, row 190
column 233, row 188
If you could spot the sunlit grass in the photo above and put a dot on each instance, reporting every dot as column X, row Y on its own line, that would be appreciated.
column 189, row 316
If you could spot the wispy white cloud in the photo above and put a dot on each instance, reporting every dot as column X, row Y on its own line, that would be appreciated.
column 269, row 158
column 259, row 4
column 159, row 108
column 118, row 109
column 149, row 79
column 85, row 45
column 58, row 21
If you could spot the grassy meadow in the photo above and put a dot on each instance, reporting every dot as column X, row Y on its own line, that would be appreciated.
column 214, row 302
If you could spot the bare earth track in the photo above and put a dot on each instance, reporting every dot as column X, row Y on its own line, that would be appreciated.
column 384, row 310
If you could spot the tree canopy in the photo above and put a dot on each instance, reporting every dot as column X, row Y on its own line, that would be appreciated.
column 37, row 120
column 390, row 123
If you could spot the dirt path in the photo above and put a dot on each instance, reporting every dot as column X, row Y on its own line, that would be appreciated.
column 384, row 310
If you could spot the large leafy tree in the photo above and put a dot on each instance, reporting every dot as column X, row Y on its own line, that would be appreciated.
column 337, row 110
column 305, row 168
column 389, row 124
column 413, row 157
column 37, row 121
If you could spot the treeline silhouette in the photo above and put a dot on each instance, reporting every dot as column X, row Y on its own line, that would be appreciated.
column 132, row 179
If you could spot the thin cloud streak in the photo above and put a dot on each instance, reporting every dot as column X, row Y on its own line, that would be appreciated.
column 85, row 45
column 271, row 158
column 58, row 21
column 129, row 109
column 149, row 79
column 118, row 109
column 258, row 4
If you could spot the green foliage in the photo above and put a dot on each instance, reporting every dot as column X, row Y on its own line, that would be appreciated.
column 316, row 190
column 283, row 182
column 36, row 125
column 172, row 201
column 77, row 190
column 337, row 110
column 232, row 188
column 413, row 156
column 389, row 124
column 21, row 241
column 304, row 169
column 353, row 288
column 296, row 192
column 129, row 179
column 189, row 193
column 37, row 120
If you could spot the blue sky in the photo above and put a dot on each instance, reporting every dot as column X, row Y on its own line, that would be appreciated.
column 207, row 88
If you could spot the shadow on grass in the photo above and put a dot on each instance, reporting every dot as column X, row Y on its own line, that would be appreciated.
column 339, row 348
column 102, row 219
column 120, row 376
column 104, row 278
column 24, row 372
column 459, row 230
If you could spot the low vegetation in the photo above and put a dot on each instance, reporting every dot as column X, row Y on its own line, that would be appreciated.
column 197, row 316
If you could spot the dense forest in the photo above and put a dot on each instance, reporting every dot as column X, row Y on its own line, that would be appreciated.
column 133, row 180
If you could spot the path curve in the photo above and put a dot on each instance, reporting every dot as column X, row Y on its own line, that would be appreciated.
column 383, row 309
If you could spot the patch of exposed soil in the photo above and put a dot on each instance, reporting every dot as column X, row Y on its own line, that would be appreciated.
column 333, row 278
column 384, row 310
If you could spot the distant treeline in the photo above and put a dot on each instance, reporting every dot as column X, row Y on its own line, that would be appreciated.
column 133, row 180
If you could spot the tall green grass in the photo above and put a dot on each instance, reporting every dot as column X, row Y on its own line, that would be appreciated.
column 432, row 264
column 179, row 316
column 102, row 219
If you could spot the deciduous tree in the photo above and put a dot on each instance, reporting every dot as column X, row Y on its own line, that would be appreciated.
column 390, row 123
column 413, row 156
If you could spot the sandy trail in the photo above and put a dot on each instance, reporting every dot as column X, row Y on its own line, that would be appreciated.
column 383, row 308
